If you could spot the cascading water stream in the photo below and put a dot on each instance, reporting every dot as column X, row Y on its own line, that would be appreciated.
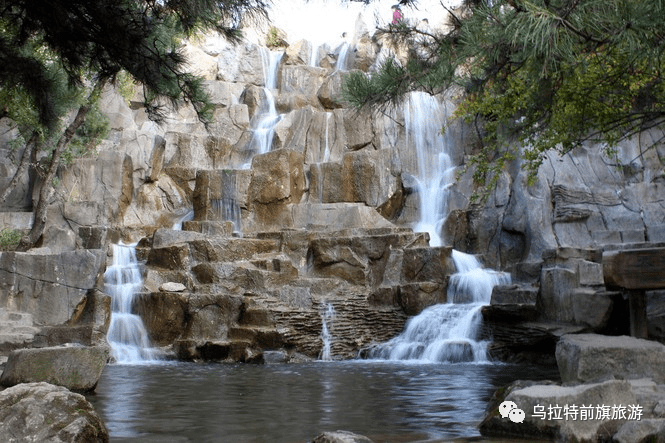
column 326, row 337
column 447, row 332
column 424, row 119
column 228, row 209
column 127, row 335
column 188, row 216
column 267, row 118
column 341, row 64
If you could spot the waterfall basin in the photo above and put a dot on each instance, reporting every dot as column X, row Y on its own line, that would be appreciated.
column 287, row 403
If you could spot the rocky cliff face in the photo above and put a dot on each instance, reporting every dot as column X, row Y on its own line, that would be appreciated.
column 322, row 217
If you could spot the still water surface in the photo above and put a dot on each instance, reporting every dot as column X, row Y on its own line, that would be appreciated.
column 242, row 403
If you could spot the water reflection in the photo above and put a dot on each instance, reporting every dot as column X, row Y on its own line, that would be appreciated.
column 182, row 402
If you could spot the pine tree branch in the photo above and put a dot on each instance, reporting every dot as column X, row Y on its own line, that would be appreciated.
column 46, row 191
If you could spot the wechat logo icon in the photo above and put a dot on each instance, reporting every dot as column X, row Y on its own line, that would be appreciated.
column 510, row 410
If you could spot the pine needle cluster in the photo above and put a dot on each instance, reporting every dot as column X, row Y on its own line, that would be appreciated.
column 541, row 74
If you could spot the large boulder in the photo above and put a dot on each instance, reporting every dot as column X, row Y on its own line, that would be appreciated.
column 585, row 358
column 49, row 286
column 562, row 413
column 75, row 367
column 649, row 430
column 278, row 179
column 302, row 79
column 241, row 63
column 97, row 190
column 40, row 412
column 329, row 93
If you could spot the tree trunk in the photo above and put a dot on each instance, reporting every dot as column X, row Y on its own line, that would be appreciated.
column 46, row 191
column 23, row 164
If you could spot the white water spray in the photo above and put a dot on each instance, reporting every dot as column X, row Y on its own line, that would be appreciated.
column 326, row 337
column 177, row 224
column 448, row 332
column 228, row 209
column 127, row 335
column 341, row 64
column 267, row 117
column 424, row 119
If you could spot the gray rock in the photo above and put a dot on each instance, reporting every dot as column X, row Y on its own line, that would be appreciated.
column 274, row 357
column 302, row 79
column 330, row 91
column 591, row 357
column 75, row 367
column 541, row 403
column 48, row 286
column 648, row 430
column 341, row 437
column 241, row 63
column 172, row 287
column 40, row 412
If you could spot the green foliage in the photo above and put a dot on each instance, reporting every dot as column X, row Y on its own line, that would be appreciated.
column 95, row 128
column 539, row 75
column 274, row 39
column 125, row 85
column 99, row 39
column 9, row 239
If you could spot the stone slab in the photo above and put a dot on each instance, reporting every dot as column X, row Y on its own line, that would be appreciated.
column 585, row 358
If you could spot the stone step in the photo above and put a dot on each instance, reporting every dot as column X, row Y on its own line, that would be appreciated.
column 17, row 329
column 244, row 275
column 256, row 316
column 514, row 294
column 209, row 228
column 261, row 337
column 15, row 316
column 10, row 342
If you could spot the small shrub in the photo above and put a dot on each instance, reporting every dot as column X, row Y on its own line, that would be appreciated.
column 9, row 239
column 275, row 39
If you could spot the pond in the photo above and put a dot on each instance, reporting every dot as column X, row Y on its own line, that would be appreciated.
column 289, row 403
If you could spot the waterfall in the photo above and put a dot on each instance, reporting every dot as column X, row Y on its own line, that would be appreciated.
column 314, row 56
column 448, row 332
column 127, row 335
column 326, row 152
column 340, row 65
column 228, row 209
column 424, row 119
column 267, row 117
column 177, row 224
column 326, row 337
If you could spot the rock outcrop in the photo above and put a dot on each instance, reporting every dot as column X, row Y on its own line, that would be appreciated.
column 44, row 412
column 584, row 358
column 328, row 170
column 268, row 291
column 75, row 367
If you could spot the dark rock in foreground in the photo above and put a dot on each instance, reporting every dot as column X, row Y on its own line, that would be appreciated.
column 584, row 358
column 75, row 367
column 41, row 412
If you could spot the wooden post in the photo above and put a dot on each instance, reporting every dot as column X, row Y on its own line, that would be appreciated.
column 634, row 271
